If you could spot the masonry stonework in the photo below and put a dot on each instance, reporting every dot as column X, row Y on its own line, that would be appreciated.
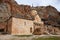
column 21, row 27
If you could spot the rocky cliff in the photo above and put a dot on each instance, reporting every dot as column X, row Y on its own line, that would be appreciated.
column 49, row 15
column 10, row 8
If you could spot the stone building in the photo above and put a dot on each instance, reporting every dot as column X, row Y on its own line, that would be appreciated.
column 20, row 26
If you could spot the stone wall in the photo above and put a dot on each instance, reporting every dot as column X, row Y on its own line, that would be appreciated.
column 21, row 27
column 9, row 26
column 51, row 30
column 38, row 29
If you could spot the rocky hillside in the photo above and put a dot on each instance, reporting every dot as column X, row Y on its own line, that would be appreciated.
column 10, row 8
column 49, row 15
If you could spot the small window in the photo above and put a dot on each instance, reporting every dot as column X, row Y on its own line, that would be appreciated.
column 0, row 17
column 0, row 10
column 24, row 23
column 38, row 29
column 31, row 30
column 1, row 30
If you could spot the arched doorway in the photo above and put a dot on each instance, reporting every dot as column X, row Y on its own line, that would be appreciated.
column 37, row 31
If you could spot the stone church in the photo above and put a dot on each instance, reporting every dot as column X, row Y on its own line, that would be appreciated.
column 19, row 26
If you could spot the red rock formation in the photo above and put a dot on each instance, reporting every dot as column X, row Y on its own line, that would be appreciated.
column 2, row 25
column 17, row 9
column 49, row 14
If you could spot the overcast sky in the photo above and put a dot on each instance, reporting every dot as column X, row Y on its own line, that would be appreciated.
column 55, row 3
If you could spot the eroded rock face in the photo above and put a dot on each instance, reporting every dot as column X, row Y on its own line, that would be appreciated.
column 4, row 12
column 49, row 14
column 11, row 8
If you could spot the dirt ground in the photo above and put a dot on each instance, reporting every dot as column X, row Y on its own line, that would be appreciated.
column 11, row 37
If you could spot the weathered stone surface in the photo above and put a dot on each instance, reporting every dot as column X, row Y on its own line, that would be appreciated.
column 2, row 25
column 4, row 12
column 49, row 14
column 21, row 27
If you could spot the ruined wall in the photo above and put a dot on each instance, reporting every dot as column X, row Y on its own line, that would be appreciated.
column 9, row 26
column 51, row 30
column 38, row 29
column 38, row 24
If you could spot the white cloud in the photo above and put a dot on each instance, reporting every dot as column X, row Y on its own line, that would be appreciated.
column 35, row 2
column 55, row 3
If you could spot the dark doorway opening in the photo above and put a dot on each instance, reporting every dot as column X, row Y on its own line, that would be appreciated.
column 1, row 30
column 37, row 31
